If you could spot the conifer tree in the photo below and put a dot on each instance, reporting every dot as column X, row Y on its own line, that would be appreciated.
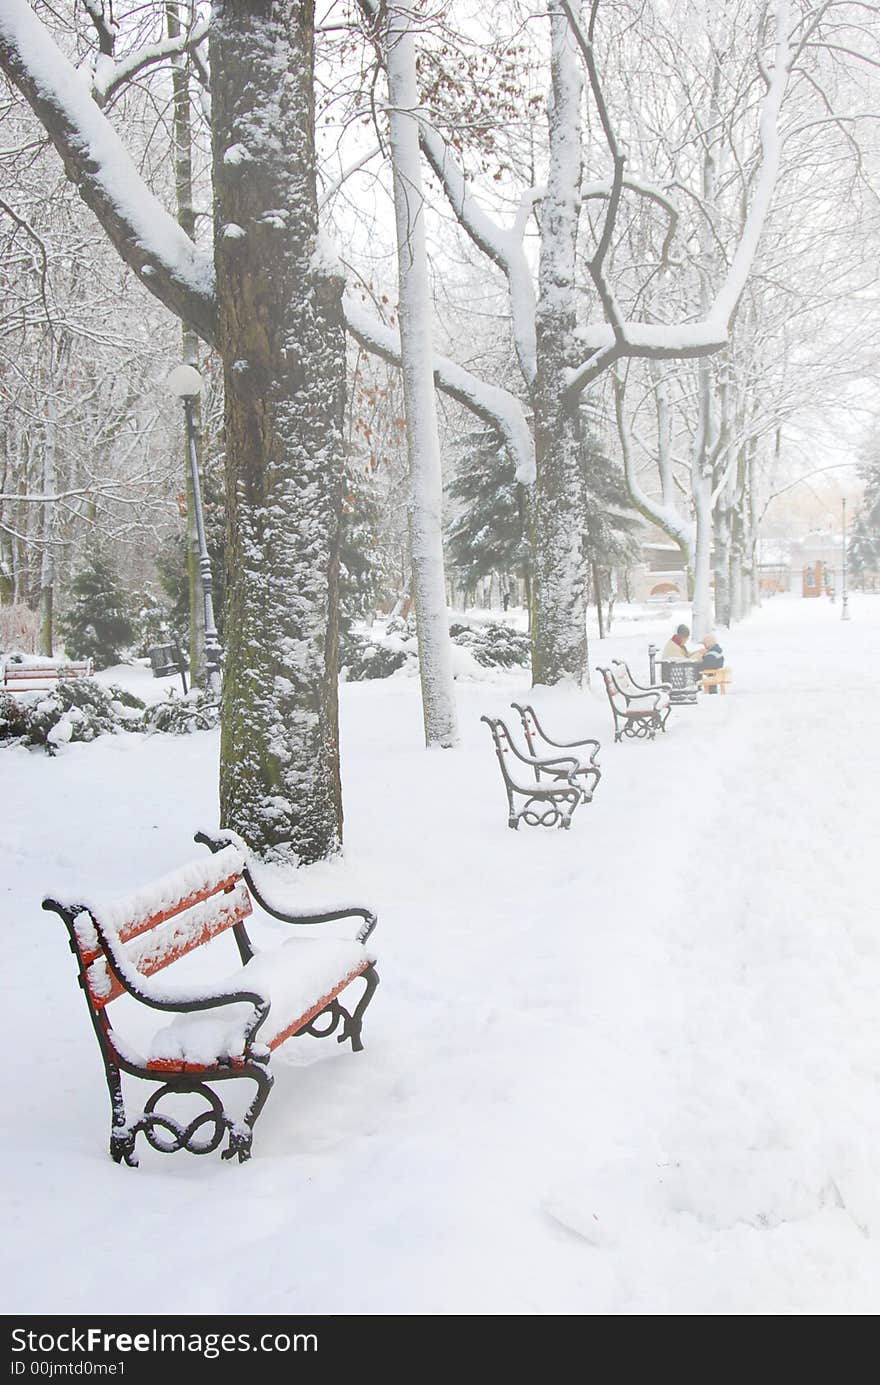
column 97, row 624
column 489, row 531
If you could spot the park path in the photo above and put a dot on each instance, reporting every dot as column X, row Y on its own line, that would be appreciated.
column 660, row 1029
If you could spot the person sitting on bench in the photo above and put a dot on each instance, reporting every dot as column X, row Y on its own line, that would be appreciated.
column 676, row 647
column 712, row 656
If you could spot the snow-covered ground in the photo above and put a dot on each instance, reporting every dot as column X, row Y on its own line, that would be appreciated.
column 633, row 1068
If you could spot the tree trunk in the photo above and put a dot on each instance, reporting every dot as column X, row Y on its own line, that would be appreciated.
column 597, row 591
column 423, row 446
column 721, row 561
column 47, row 561
column 559, row 565
column 183, row 184
column 281, row 339
column 702, row 595
column 736, row 585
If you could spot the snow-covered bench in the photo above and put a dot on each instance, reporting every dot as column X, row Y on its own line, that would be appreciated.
column 46, row 672
column 211, row 1024
column 631, row 688
column 548, row 784
column 540, row 744
column 639, row 713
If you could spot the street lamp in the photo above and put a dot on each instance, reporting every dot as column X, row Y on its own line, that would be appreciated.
column 844, row 611
column 186, row 383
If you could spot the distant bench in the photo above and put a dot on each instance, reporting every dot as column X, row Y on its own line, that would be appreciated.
column 45, row 673
column 191, row 1034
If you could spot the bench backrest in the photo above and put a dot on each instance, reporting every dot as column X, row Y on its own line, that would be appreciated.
column 623, row 679
column 21, row 673
column 142, row 933
column 501, row 736
column 530, row 727
column 615, row 696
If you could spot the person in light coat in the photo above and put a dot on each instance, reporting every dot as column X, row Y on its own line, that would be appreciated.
column 676, row 647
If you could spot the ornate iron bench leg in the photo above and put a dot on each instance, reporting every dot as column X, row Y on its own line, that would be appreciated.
column 122, row 1138
column 122, row 1147
column 574, row 799
column 241, row 1136
column 335, row 1014
column 352, row 1023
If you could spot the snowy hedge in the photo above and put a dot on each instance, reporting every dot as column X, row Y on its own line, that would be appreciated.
column 76, row 709
column 493, row 645
column 379, row 655
column 80, row 709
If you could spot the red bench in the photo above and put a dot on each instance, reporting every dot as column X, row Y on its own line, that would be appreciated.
column 14, row 673
column 210, row 1026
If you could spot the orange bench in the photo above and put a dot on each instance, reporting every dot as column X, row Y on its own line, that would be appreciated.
column 190, row 1035
column 719, row 678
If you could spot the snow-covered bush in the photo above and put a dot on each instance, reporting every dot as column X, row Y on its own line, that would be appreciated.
column 493, row 644
column 378, row 655
column 181, row 715
column 362, row 657
column 75, row 709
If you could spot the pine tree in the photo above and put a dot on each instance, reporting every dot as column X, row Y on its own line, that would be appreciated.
column 489, row 530
column 97, row 624
column 864, row 543
column 610, row 523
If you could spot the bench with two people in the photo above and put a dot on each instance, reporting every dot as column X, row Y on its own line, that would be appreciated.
column 704, row 664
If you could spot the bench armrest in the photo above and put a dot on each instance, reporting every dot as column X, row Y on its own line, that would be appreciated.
column 279, row 909
column 144, row 989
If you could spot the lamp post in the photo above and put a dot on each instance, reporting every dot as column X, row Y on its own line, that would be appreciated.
column 185, row 383
column 844, row 610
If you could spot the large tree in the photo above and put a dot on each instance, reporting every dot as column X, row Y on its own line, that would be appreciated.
column 267, row 297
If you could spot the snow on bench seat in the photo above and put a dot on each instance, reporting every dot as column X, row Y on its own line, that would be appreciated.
column 298, row 979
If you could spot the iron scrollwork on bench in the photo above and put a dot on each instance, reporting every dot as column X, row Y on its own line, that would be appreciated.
column 216, row 1031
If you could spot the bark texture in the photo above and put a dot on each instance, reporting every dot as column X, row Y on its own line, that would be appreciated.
column 281, row 338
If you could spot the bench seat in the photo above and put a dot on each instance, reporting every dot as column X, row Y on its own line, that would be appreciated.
column 298, row 980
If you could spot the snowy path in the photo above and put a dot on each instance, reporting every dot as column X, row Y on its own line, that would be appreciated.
column 628, row 1069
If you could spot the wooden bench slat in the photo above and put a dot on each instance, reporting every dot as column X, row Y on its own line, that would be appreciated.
column 160, row 949
column 38, row 673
